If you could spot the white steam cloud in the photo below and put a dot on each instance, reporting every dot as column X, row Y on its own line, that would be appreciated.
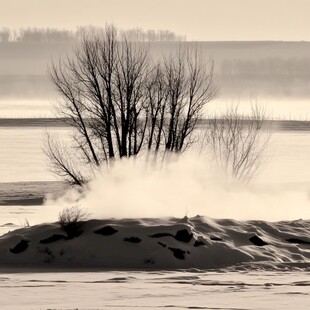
column 184, row 186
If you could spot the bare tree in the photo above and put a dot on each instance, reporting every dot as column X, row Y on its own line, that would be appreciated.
column 237, row 142
column 120, row 102
column 190, row 85
column 61, row 162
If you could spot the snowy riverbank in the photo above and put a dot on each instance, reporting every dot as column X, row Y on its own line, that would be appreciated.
column 159, row 244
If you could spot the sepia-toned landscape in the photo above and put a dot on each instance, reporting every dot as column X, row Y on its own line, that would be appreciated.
column 150, row 160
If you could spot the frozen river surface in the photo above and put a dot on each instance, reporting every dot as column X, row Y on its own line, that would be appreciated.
column 22, row 157
column 156, row 290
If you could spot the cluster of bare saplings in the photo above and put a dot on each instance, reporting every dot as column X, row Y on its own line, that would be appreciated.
column 237, row 142
column 121, row 102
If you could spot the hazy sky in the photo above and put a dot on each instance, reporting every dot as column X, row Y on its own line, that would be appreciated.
column 197, row 19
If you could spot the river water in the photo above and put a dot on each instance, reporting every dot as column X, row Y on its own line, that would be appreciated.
column 22, row 157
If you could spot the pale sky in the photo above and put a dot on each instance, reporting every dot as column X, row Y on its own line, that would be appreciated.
column 287, row 20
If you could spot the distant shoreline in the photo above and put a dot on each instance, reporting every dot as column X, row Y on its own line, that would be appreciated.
column 276, row 125
column 31, row 193
column 33, row 122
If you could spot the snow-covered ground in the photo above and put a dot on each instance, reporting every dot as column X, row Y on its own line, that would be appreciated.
column 159, row 244
column 156, row 290
column 132, row 264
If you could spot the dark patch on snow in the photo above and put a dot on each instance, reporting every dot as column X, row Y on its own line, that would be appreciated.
column 198, row 243
column 258, row 241
column 162, row 244
column 53, row 238
column 178, row 253
column 20, row 247
column 149, row 261
column 133, row 239
column 215, row 238
column 106, row 231
column 297, row 241
column 160, row 235
column 183, row 235
column 48, row 255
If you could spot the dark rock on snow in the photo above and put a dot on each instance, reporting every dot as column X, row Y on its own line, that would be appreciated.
column 183, row 235
column 297, row 241
column 160, row 235
column 198, row 243
column 215, row 238
column 20, row 247
column 178, row 253
column 106, row 231
column 258, row 241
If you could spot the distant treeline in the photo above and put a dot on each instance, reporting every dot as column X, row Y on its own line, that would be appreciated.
column 63, row 35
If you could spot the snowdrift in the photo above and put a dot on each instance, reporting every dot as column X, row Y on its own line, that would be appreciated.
column 157, row 244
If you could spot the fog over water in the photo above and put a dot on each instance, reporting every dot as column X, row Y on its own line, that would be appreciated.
column 281, row 108
column 187, row 186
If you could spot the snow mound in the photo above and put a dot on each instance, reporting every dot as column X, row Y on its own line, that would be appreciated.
column 169, row 244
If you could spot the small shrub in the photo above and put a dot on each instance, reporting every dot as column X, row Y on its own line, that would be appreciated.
column 71, row 221
column 24, row 224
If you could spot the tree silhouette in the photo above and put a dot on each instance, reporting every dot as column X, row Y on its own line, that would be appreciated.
column 120, row 102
